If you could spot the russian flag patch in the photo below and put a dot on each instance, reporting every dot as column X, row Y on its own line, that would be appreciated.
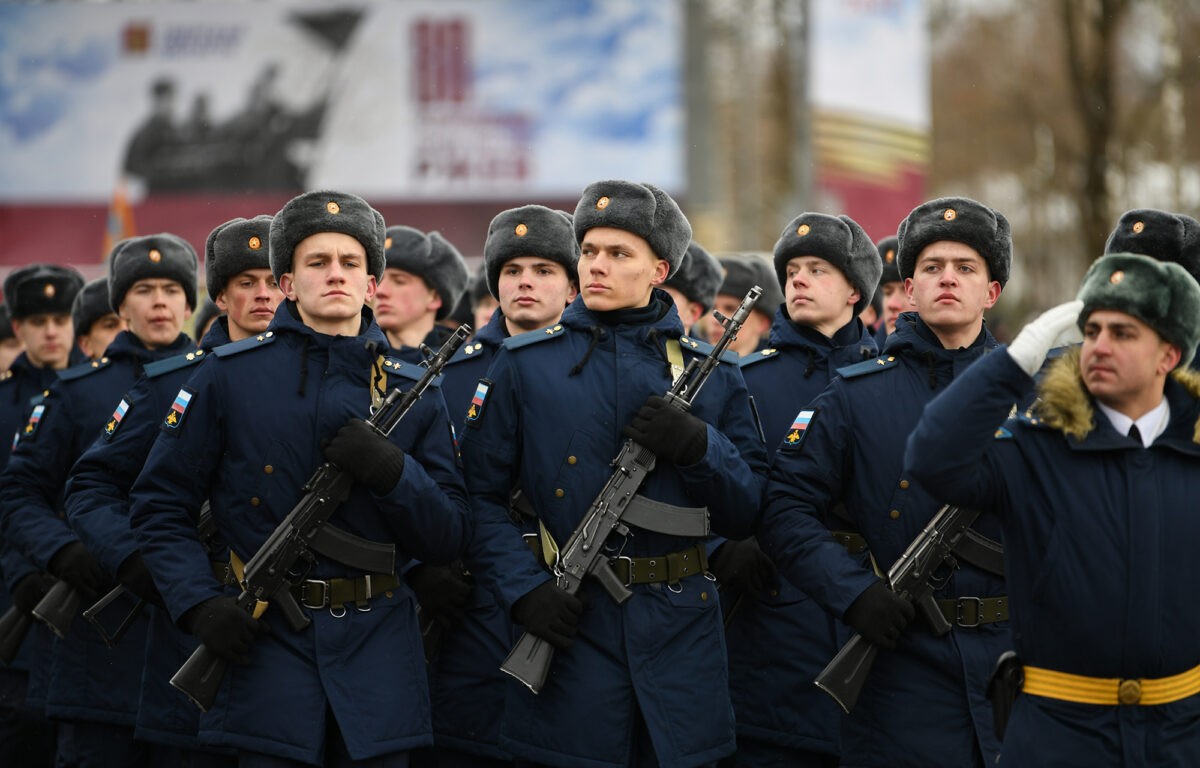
column 178, row 409
column 478, row 401
column 35, row 421
column 110, row 428
column 796, row 432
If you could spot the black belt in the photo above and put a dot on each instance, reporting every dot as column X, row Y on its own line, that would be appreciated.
column 973, row 611
column 668, row 569
column 316, row 594
column 853, row 542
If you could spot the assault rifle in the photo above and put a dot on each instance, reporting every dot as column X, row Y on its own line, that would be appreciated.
column 617, row 506
column 14, row 626
column 273, row 570
column 924, row 568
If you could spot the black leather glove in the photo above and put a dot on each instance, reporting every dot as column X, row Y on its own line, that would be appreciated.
column 370, row 457
column 76, row 566
column 136, row 577
column 673, row 435
column 880, row 615
column 30, row 590
column 549, row 613
column 442, row 591
column 743, row 566
column 224, row 628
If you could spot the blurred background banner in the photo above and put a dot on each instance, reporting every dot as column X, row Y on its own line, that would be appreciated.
column 438, row 99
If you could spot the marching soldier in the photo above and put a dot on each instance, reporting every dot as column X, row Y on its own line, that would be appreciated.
column 924, row 702
column 96, row 324
column 424, row 279
column 239, row 275
column 644, row 682
column 778, row 638
column 529, row 261
column 246, row 433
column 38, row 298
column 891, row 286
column 10, row 345
column 152, row 286
column 1095, row 487
column 741, row 273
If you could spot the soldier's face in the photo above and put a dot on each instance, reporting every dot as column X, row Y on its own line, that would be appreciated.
column 403, row 299
column 895, row 301
column 483, row 311
column 618, row 270
column 47, row 338
column 950, row 287
column 689, row 311
column 757, row 325
column 154, row 310
column 533, row 292
column 249, row 301
column 100, row 335
column 818, row 294
column 329, row 282
column 1123, row 361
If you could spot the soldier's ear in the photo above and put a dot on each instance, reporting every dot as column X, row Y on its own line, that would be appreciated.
column 288, row 286
column 662, row 268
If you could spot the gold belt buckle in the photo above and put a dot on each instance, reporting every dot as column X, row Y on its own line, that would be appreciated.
column 1129, row 692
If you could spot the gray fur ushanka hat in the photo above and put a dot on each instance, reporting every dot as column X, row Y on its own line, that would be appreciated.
column 162, row 256
column 326, row 211
column 430, row 257
column 836, row 239
column 234, row 247
column 643, row 209
column 957, row 219
column 531, row 230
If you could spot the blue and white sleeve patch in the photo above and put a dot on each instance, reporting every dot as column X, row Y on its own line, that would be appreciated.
column 799, row 430
column 179, row 408
column 35, row 420
column 114, row 423
column 478, row 401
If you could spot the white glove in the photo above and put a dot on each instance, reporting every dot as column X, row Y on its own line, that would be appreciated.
column 1055, row 327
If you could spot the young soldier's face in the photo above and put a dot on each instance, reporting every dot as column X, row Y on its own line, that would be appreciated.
column 47, row 338
column 618, row 270
column 100, row 335
column 950, row 286
column 689, row 311
column 533, row 291
column 817, row 294
column 895, row 301
column 403, row 299
column 249, row 301
column 329, row 280
column 483, row 311
column 154, row 310
column 1122, row 358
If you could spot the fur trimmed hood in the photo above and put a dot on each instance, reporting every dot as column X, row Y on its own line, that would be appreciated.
column 1065, row 405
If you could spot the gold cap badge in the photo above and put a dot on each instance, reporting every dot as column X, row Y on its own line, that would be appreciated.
column 602, row 203
column 950, row 214
column 49, row 290
column 255, row 243
column 387, row 244
column 333, row 207
column 890, row 256
column 1116, row 277
column 803, row 230
column 521, row 230
column 1138, row 226
column 154, row 255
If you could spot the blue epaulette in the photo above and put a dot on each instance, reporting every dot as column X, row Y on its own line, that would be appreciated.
column 533, row 337
column 468, row 351
column 84, row 369
column 868, row 366
column 703, row 348
column 159, row 367
column 252, row 342
column 770, row 353
column 411, row 371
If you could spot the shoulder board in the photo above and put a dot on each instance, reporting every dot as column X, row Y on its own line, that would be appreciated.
column 533, row 337
column 868, row 366
column 703, row 348
column 397, row 367
column 770, row 353
column 84, row 369
column 468, row 351
column 160, row 367
column 253, row 342
column 5, row 376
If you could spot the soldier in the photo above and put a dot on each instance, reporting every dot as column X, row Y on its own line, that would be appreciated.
column 152, row 286
column 96, row 324
column 424, row 279
column 1160, row 235
column 483, row 303
column 39, row 299
column 529, row 263
column 924, row 702
column 694, row 285
column 741, row 273
column 891, row 287
column 246, row 433
column 778, row 638
column 206, row 316
column 239, row 275
column 643, row 681
column 1094, row 487
column 10, row 345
